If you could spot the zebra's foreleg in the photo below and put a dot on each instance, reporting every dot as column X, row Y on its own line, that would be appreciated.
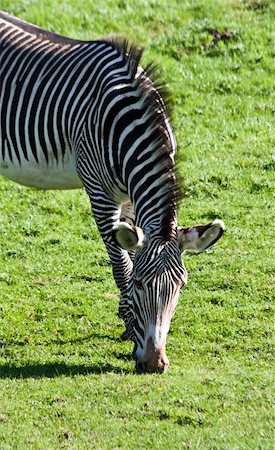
column 106, row 214
column 122, row 269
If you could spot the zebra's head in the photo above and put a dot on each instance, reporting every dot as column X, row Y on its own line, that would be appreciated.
column 158, row 274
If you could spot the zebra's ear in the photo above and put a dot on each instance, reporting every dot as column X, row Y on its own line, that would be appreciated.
column 198, row 238
column 128, row 237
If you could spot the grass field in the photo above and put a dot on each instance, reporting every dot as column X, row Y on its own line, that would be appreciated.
column 66, row 379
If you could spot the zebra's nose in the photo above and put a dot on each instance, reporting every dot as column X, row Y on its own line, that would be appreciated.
column 158, row 364
column 155, row 359
column 148, row 367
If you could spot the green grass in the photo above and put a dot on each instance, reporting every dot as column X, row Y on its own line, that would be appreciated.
column 66, row 379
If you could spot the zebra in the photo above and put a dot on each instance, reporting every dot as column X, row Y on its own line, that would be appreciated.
column 80, row 114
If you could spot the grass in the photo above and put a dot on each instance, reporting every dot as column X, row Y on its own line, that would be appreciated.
column 66, row 379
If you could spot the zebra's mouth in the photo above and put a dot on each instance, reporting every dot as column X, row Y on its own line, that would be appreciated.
column 144, row 367
column 153, row 361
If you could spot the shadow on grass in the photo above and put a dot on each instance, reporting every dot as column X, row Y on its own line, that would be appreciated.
column 91, row 337
column 52, row 370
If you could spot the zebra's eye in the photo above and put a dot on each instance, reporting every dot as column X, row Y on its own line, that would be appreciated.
column 138, row 284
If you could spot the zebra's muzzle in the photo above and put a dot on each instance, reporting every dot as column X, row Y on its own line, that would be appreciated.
column 154, row 360
column 148, row 368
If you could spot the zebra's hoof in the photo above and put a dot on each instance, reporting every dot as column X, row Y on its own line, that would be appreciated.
column 134, row 350
column 120, row 314
column 125, row 336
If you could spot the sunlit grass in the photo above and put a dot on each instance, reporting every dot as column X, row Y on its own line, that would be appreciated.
column 67, row 381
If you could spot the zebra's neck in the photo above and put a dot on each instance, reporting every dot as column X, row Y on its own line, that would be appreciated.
column 136, row 138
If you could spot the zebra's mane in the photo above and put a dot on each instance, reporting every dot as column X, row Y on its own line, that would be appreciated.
column 158, row 102
column 150, row 76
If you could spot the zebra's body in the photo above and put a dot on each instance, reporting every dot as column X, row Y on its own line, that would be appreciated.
column 76, row 114
column 38, row 149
